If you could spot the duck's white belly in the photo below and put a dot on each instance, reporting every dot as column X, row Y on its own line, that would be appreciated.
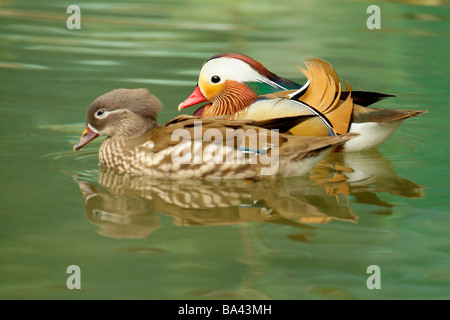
column 371, row 135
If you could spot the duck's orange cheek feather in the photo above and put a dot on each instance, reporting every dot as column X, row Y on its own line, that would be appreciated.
column 209, row 90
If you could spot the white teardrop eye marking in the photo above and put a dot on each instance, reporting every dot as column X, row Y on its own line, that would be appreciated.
column 232, row 69
column 100, row 114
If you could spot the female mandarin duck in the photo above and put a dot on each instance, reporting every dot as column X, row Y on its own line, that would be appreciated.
column 137, row 145
column 239, row 86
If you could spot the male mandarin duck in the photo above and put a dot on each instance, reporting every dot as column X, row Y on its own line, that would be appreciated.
column 240, row 87
column 137, row 145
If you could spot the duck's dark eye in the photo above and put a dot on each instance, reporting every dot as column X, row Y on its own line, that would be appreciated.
column 215, row 79
column 100, row 112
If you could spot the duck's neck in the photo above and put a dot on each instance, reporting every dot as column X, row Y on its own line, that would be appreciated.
column 234, row 97
column 114, row 148
column 110, row 152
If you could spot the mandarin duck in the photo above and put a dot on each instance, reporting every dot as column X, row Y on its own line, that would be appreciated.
column 242, row 88
column 210, row 148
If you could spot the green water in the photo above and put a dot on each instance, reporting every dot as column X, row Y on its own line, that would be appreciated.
column 311, row 237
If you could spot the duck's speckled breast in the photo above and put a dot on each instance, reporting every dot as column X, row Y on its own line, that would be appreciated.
column 141, row 159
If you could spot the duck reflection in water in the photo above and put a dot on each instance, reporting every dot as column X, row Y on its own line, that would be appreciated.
column 118, row 216
column 126, row 206
column 362, row 176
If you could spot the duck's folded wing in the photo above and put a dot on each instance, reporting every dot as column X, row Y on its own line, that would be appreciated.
column 265, row 108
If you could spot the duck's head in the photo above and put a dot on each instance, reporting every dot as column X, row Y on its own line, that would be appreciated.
column 231, row 81
column 121, row 113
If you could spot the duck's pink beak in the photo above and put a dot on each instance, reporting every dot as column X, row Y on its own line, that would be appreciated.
column 195, row 98
column 87, row 136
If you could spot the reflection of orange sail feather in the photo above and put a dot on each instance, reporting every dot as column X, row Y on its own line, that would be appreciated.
column 363, row 175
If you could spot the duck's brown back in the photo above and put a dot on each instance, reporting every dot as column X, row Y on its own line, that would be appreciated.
column 190, row 147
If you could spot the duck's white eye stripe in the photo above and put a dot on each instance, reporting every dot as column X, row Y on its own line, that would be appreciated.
column 233, row 69
column 101, row 114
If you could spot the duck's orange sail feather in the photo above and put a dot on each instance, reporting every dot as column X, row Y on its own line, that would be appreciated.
column 324, row 94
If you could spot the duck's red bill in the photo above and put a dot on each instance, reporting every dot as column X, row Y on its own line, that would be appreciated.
column 87, row 136
column 195, row 98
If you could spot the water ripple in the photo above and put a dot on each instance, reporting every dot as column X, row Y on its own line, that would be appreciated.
column 17, row 65
column 165, row 82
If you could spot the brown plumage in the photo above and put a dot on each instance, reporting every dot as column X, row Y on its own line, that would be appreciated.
column 382, row 116
column 191, row 147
